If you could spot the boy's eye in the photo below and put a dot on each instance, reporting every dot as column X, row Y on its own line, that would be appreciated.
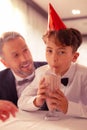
column 49, row 51
column 60, row 52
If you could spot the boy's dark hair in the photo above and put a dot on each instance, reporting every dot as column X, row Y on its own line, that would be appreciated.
column 68, row 37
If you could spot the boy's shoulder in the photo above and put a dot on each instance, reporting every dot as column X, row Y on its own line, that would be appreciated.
column 42, row 68
column 81, row 68
column 40, row 72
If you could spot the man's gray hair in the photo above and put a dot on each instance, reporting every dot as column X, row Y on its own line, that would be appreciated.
column 6, row 36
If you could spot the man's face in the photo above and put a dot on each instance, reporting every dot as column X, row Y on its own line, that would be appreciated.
column 17, row 57
column 59, row 57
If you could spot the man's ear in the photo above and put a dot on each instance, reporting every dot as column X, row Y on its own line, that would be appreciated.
column 76, row 55
column 4, row 62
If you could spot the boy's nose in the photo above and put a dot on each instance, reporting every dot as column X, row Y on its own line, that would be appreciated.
column 55, row 58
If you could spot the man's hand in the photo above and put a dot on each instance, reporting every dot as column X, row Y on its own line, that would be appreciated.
column 7, row 108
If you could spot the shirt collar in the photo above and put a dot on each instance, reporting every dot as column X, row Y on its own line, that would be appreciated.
column 19, row 78
column 70, row 73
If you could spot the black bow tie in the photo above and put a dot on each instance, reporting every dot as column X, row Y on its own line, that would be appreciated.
column 64, row 81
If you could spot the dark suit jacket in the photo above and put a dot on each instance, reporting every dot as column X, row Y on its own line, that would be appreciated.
column 7, row 84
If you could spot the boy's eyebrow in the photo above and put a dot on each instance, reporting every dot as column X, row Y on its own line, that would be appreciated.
column 57, row 48
column 49, row 47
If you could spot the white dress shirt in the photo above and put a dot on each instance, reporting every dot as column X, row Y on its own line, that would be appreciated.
column 75, row 91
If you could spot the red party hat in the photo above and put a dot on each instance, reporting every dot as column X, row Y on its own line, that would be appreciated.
column 54, row 21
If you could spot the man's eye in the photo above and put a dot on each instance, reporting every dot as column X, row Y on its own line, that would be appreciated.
column 16, row 55
column 25, row 50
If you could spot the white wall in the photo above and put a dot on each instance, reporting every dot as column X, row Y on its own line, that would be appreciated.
column 35, row 27
column 83, row 53
column 17, row 16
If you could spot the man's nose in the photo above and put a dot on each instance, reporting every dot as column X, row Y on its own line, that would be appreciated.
column 22, row 58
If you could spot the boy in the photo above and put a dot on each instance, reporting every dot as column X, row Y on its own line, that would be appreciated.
column 61, row 55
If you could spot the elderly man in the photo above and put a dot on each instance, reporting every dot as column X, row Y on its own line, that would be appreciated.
column 19, row 72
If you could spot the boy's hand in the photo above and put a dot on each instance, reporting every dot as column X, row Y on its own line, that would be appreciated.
column 41, row 94
column 58, row 101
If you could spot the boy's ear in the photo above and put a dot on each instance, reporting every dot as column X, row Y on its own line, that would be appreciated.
column 4, row 62
column 76, row 55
